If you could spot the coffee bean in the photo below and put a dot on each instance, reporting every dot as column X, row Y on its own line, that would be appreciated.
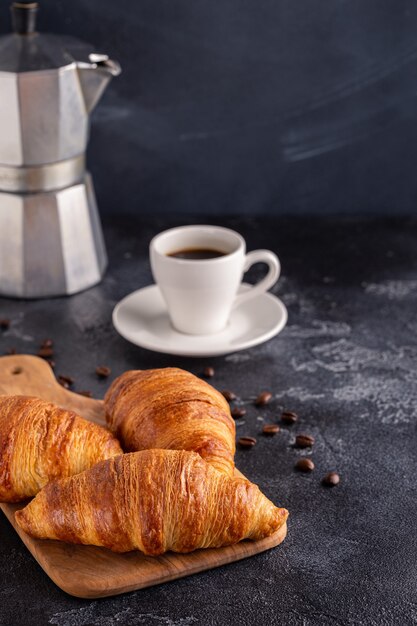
column 103, row 371
column 47, row 343
column 11, row 351
column 4, row 323
column 52, row 364
column 66, row 379
column 238, row 411
column 263, row 398
column 331, row 479
column 85, row 393
column 304, row 441
column 304, row 465
column 270, row 429
column 63, row 383
column 289, row 417
column 229, row 395
column 246, row 442
column 46, row 352
column 208, row 372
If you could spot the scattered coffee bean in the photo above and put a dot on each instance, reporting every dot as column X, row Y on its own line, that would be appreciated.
column 85, row 393
column 304, row 465
column 270, row 429
column 63, row 383
column 263, row 398
column 289, row 417
column 103, row 371
column 246, row 442
column 46, row 352
column 331, row 479
column 208, row 372
column 52, row 364
column 304, row 441
column 66, row 379
column 229, row 395
column 11, row 351
column 4, row 323
column 47, row 343
column 238, row 411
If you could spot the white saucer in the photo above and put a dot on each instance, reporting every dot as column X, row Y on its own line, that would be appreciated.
column 142, row 318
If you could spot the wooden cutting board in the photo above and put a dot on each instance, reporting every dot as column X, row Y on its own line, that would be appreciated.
column 88, row 571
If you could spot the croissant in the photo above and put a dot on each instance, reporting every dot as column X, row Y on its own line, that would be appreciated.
column 172, row 409
column 40, row 442
column 153, row 501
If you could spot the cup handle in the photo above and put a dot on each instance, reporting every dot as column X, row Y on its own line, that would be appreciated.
column 260, row 256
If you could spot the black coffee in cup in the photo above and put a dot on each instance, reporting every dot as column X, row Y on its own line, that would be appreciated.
column 196, row 254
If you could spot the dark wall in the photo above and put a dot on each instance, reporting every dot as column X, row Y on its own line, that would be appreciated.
column 245, row 106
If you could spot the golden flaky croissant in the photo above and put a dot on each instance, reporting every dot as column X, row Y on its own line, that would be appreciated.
column 153, row 501
column 172, row 409
column 40, row 442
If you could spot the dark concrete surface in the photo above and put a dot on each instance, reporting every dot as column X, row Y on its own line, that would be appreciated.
column 346, row 362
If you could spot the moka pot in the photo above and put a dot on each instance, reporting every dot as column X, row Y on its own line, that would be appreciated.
column 51, row 241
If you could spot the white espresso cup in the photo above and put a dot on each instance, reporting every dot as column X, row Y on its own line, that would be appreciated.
column 200, row 294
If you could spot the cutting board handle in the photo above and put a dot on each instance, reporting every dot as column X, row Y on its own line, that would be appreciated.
column 28, row 375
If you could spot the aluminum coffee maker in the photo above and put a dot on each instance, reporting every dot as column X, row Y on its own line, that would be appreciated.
column 50, row 234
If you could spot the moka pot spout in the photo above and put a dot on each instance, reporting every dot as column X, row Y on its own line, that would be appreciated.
column 95, row 76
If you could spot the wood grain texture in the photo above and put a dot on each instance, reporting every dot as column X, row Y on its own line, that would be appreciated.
column 89, row 571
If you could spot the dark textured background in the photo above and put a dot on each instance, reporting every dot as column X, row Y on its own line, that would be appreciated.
column 243, row 107
column 346, row 362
